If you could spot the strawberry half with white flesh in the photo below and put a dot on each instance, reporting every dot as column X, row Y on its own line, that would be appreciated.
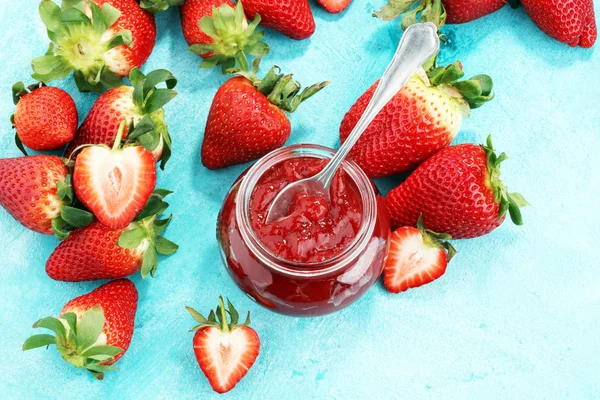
column 114, row 184
column 417, row 256
column 225, row 350
column 100, row 40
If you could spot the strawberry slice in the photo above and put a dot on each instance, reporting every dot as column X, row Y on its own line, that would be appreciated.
column 114, row 184
column 417, row 256
column 334, row 6
column 225, row 351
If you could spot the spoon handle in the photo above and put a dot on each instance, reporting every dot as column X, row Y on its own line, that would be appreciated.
column 419, row 43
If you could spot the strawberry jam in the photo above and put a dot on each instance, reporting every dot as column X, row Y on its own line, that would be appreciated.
column 314, row 230
column 323, row 255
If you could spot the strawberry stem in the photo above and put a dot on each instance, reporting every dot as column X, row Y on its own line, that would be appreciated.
column 119, row 136
column 223, row 315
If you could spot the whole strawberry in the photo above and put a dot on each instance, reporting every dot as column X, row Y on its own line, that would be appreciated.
column 100, row 40
column 247, row 119
column 458, row 191
column 293, row 18
column 439, row 12
column 569, row 21
column 422, row 118
column 218, row 31
column 99, row 252
column 37, row 192
column 94, row 330
column 141, row 105
column 225, row 351
column 114, row 183
column 45, row 117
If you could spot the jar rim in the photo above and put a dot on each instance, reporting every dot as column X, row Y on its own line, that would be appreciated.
column 319, row 268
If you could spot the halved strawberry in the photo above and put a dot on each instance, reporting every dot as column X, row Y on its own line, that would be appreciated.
column 417, row 256
column 334, row 6
column 114, row 184
column 225, row 350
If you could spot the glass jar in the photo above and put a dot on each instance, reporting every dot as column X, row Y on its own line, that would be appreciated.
column 294, row 288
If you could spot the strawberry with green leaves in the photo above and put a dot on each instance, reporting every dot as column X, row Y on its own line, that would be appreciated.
column 45, row 117
column 417, row 256
column 217, row 30
column 422, row 118
column 114, row 183
column 37, row 192
column 99, row 40
column 457, row 191
column 99, row 252
column 225, row 351
column 94, row 330
column 247, row 116
column 140, row 105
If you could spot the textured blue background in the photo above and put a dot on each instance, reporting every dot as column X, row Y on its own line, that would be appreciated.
column 515, row 316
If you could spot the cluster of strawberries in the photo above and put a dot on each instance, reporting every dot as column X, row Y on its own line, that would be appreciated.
column 569, row 21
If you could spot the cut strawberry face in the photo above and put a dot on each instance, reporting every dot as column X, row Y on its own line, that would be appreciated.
column 114, row 184
column 416, row 257
column 225, row 350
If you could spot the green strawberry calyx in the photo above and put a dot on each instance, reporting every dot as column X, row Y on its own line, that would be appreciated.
column 511, row 202
column 218, row 319
column 413, row 10
column 78, row 43
column 475, row 91
column 232, row 37
column 144, row 233
column 435, row 239
column 152, row 131
column 19, row 90
column 281, row 90
column 78, row 341
column 156, row 6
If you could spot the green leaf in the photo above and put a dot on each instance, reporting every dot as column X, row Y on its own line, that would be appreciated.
column 65, row 190
column 36, row 341
column 59, row 227
column 156, row 77
column 110, row 14
column 165, row 246
column 90, row 327
column 50, row 68
column 150, row 140
column 78, row 4
column 235, row 316
column 153, row 207
column 515, row 213
column 518, row 199
column 144, row 126
column 196, row 315
column 19, row 144
column 160, row 225
column 149, row 262
column 76, row 217
column 71, row 319
column 207, row 26
column 18, row 91
column 158, row 99
column 86, row 85
column 50, row 15
column 121, row 38
column 393, row 9
column 74, row 16
column 133, row 238
column 106, row 350
column 52, row 324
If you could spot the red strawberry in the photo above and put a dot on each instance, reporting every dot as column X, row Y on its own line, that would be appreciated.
column 458, row 191
column 37, row 192
column 440, row 13
column 334, row 6
column 45, row 117
column 141, row 108
column 422, row 118
column 417, row 256
column 293, row 18
column 99, row 252
column 114, row 184
column 247, row 119
column 218, row 31
column 225, row 350
column 569, row 21
column 101, row 40
column 94, row 330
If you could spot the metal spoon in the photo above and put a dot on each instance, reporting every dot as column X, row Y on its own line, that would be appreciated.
column 419, row 43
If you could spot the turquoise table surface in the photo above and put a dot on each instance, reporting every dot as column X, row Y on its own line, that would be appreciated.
column 516, row 316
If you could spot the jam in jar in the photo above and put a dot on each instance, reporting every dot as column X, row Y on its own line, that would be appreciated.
column 319, row 258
